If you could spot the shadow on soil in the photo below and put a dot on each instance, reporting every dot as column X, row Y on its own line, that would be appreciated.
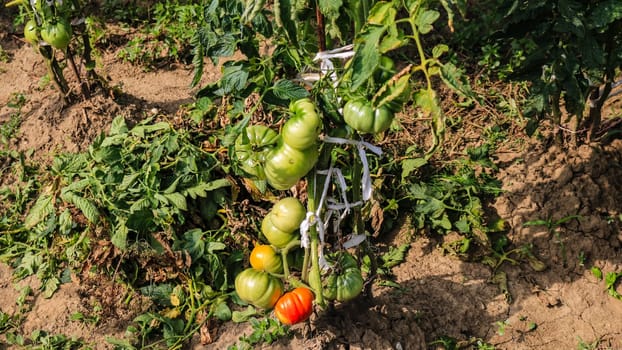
column 561, row 307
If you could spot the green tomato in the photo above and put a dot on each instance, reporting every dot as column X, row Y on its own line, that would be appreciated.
column 345, row 282
column 251, row 148
column 276, row 237
column 57, row 34
column 287, row 214
column 258, row 288
column 302, row 130
column 286, row 165
column 362, row 117
column 31, row 32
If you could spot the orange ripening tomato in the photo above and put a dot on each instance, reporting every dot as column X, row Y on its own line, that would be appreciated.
column 295, row 306
column 264, row 257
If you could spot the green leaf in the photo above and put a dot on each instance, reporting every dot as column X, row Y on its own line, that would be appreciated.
column 283, row 14
column 221, row 310
column 288, row 90
column 225, row 46
column 143, row 129
column 39, row 211
column 393, row 92
column 418, row 191
column 331, row 9
column 128, row 181
column 214, row 246
column 86, row 206
column 395, row 256
column 159, row 293
column 120, row 343
column 243, row 316
column 391, row 42
column 606, row 12
column 119, row 236
column 235, row 78
column 425, row 20
column 202, row 189
column 439, row 50
column 193, row 243
column 366, row 57
column 410, row 165
column 427, row 101
column 118, row 126
column 453, row 77
column 597, row 272
column 382, row 13
column 251, row 9
column 50, row 286
column 177, row 199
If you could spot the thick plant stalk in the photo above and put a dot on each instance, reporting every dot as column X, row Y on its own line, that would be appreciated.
column 55, row 71
column 321, row 35
column 83, row 86
column 315, row 278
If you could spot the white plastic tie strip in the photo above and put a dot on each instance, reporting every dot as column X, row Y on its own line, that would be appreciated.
column 361, row 146
column 334, row 206
column 326, row 65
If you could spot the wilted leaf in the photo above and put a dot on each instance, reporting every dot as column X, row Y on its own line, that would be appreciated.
column 39, row 211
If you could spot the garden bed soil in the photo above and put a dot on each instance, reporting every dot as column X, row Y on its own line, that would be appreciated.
column 439, row 295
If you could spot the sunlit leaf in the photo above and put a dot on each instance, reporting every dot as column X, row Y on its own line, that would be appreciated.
column 425, row 20
column 288, row 90
column 39, row 211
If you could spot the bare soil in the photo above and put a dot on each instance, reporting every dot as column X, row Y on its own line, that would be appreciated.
column 439, row 295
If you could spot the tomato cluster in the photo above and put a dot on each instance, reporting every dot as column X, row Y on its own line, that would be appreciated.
column 298, row 149
column 50, row 24
column 281, row 159
column 280, row 225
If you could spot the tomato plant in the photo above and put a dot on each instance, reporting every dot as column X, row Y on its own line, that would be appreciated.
column 264, row 257
column 294, row 306
column 48, row 22
column 258, row 288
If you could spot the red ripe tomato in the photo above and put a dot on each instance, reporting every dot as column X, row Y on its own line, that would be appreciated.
column 295, row 306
